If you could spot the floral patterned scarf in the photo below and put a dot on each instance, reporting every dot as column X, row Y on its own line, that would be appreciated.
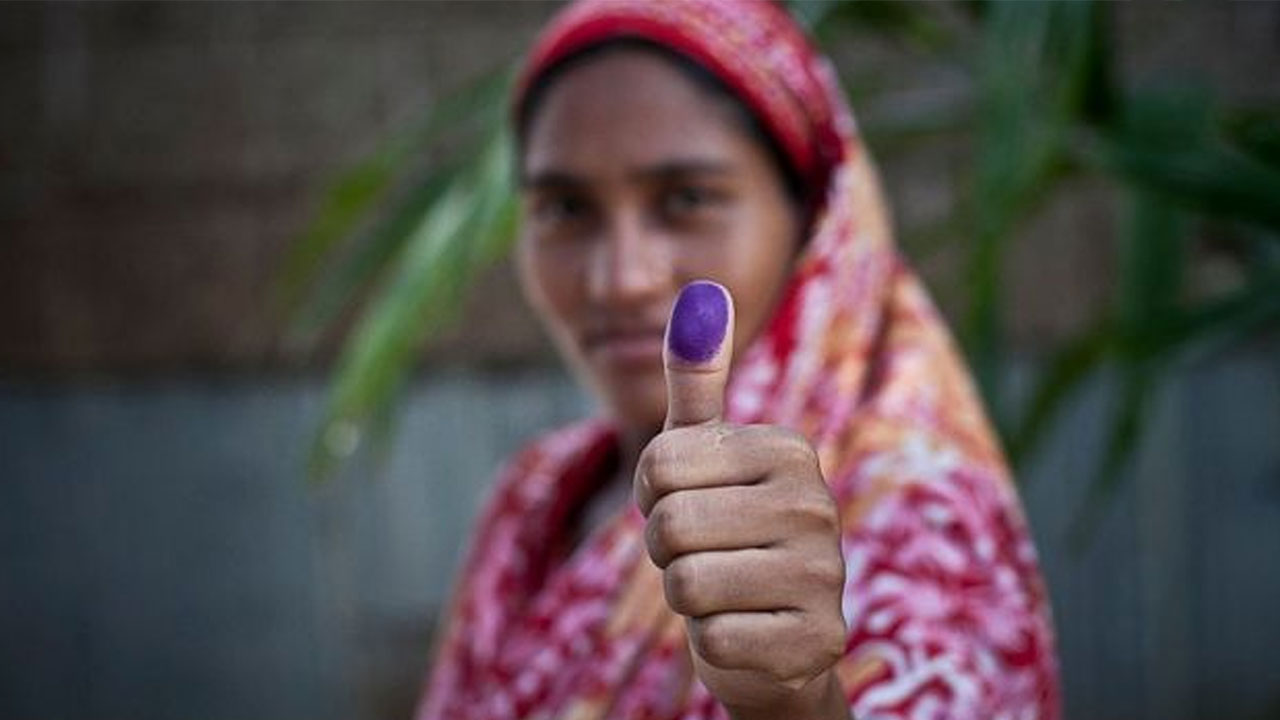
column 947, row 612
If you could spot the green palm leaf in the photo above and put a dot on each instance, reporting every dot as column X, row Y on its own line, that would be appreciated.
column 465, row 229
column 1033, row 76
column 318, row 279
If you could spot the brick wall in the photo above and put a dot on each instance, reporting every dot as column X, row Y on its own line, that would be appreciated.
column 158, row 159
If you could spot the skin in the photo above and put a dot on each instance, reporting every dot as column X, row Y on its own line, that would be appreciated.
column 636, row 182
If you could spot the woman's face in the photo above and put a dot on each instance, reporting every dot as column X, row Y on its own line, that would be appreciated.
column 636, row 181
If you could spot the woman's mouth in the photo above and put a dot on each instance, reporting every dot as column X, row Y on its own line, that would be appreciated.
column 629, row 349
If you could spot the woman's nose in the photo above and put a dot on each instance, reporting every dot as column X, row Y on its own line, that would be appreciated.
column 629, row 265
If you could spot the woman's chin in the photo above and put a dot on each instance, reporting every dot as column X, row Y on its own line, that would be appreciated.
column 639, row 411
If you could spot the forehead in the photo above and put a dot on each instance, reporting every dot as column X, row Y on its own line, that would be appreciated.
column 624, row 111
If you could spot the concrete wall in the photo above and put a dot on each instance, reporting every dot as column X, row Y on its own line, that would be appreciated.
column 163, row 556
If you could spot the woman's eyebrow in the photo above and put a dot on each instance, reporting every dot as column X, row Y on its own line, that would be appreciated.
column 562, row 180
column 680, row 168
column 550, row 179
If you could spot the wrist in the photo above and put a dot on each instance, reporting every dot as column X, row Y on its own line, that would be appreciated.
column 822, row 698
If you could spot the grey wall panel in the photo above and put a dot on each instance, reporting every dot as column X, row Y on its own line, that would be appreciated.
column 162, row 557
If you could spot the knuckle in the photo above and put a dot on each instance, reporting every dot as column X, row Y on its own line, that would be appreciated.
column 795, row 449
column 831, row 513
column 646, row 472
column 828, row 639
column 715, row 642
column 826, row 510
column 792, row 673
column 658, row 464
column 718, row 435
column 682, row 588
column 818, row 509
column 824, row 646
column 663, row 536
column 834, row 644
column 793, row 681
column 826, row 572
column 644, row 463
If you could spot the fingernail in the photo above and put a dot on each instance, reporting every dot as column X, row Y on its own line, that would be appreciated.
column 698, row 321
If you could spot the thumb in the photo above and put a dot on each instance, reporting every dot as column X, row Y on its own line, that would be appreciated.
column 699, row 349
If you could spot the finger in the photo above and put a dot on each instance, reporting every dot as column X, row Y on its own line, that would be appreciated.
column 705, row 456
column 702, row 456
column 699, row 349
column 735, row 518
column 728, row 518
column 784, row 645
column 754, row 579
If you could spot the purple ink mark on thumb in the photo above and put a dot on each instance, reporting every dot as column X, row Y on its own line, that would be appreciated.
column 698, row 321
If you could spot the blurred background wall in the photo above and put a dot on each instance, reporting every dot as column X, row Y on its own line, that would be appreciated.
column 161, row 553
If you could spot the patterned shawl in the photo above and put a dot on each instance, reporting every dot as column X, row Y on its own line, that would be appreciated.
column 948, row 615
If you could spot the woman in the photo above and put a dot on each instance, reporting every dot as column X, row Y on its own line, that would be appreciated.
column 830, row 531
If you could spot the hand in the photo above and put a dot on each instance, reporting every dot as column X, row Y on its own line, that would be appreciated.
column 745, row 531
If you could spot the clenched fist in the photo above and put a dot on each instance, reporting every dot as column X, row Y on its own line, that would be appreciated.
column 746, row 533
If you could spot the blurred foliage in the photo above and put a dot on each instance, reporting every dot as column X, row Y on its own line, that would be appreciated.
column 400, row 235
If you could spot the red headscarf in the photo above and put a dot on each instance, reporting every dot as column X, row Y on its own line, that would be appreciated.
column 788, row 85
column 948, row 616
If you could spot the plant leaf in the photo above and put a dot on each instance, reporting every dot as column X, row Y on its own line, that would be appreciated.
column 1033, row 74
column 466, row 228
column 1066, row 370
column 355, row 194
column 1125, row 431
column 1169, row 143
column 336, row 291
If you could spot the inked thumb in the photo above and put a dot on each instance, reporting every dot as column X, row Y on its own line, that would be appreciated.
column 699, row 350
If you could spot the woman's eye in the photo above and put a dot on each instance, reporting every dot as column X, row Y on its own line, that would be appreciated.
column 688, row 199
column 561, row 208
